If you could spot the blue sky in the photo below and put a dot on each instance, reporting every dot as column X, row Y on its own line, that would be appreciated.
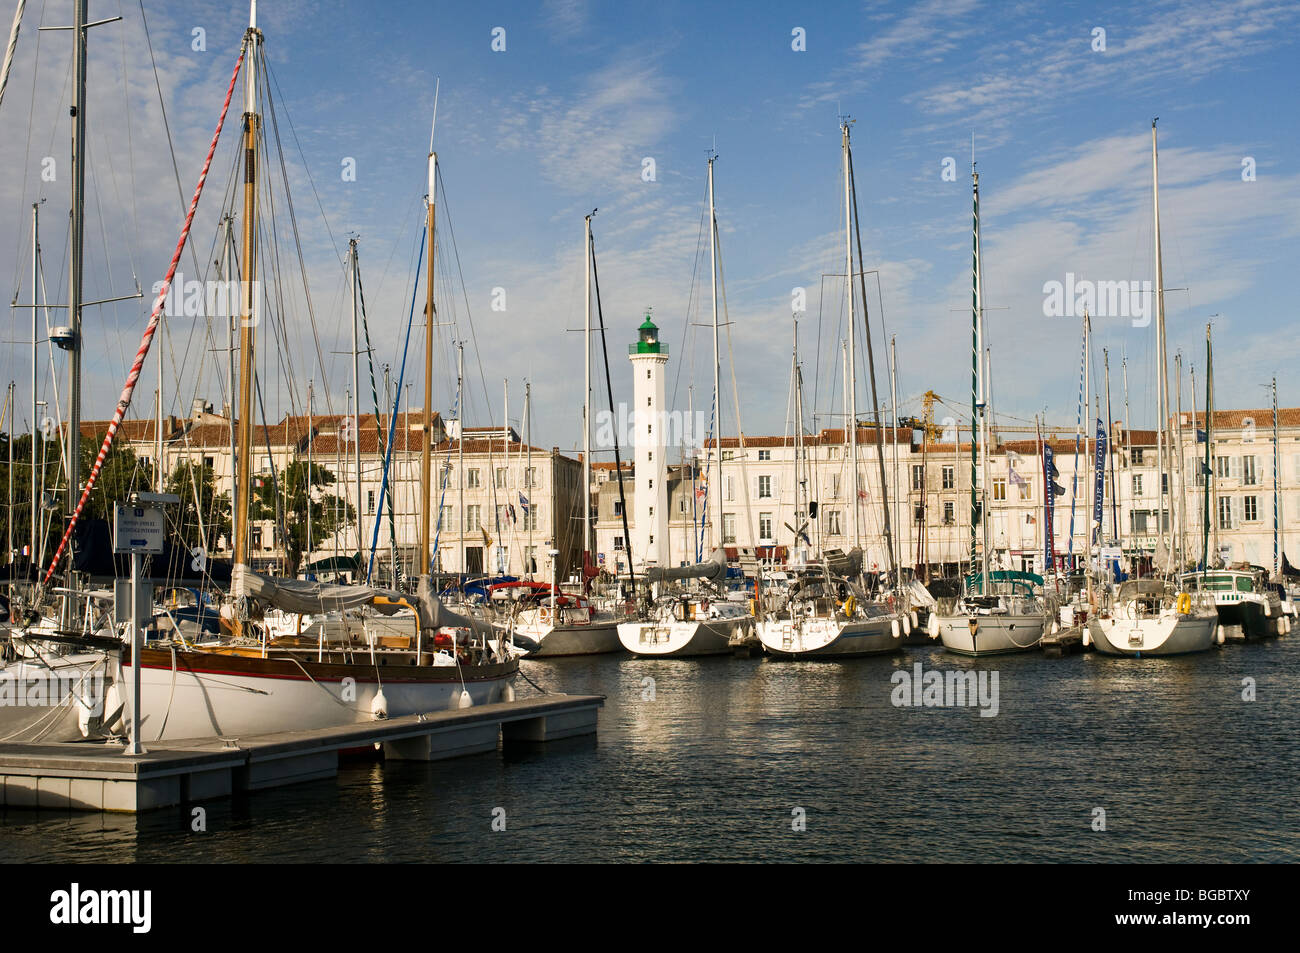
column 532, row 138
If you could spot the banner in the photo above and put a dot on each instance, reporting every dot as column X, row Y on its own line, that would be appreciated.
column 1049, row 507
column 1099, row 488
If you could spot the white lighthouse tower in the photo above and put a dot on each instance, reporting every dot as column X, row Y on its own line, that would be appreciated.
column 650, row 501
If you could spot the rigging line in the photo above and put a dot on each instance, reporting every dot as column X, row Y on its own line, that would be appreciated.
column 392, row 421
column 124, row 401
column 293, row 218
column 162, row 106
column 27, row 148
column 695, row 267
column 379, row 435
column 609, row 390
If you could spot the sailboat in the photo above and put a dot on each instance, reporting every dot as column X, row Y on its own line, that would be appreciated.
column 252, row 683
column 1005, row 611
column 1158, row 616
column 551, row 623
column 824, row 614
column 693, row 621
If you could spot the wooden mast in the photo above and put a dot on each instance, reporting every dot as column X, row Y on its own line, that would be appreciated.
column 247, row 320
column 426, row 425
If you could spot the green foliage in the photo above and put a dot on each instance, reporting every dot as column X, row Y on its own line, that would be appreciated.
column 289, row 498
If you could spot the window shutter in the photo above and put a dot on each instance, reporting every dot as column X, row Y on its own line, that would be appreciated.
column 776, row 486
column 1234, row 468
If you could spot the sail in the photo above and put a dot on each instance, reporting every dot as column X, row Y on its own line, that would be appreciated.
column 713, row 570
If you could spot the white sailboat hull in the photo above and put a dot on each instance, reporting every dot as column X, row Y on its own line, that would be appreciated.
column 676, row 639
column 993, row 634
column 1172, row 634
column 829, row 638
column 556, row 641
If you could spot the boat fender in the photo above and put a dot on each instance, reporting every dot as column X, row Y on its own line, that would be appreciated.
column 463, row 700
column 1268, row 609
column 894, row 628
column 907, row 625
column 379, row 707
column 913, row 615
column 932, row 626
column 1056, row 627
column 1087, row 638
column 1218, row 635
column 508, row 693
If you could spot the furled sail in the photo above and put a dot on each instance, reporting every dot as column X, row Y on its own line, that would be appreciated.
column 713, row 570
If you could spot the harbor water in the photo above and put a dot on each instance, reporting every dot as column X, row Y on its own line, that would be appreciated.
column 760, row 760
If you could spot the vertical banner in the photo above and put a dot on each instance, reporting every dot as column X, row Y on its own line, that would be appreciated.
column 1049, row 509
column 1099, row 490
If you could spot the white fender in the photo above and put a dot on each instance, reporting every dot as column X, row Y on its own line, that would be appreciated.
column 508, row 693
column 912, row 616
column 907, row 625
column 1087, row 638
column 894, row 629
column 1268, row 608
column 932, row 625
column 379, row 707
column 1219, row 635
column 464, row 701
column 1056, row 627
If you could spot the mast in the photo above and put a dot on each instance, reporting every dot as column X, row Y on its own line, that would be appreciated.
column 426, row 425
column 898, row 492
column 851, row 381
column 978, row 503
column 356, row 398
column 460, row 446
column 1114, row 485
column 36, row 300
column 586, row 406
column 798, row 440
column 528, row 482
column 248, row 305
column 716, row 534
column 1162, row 392
column 311, row 439
column 1209, row 452
column 1128, row 437
column 1180, row 516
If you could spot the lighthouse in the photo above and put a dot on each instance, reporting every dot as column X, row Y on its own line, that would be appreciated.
column 650, row 500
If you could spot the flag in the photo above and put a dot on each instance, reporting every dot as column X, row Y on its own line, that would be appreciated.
column 1013, row 476
column 257, row 482
column 523, row 503
column 862, row 495
column 1012, row 457
column 1200, row 435
column 511, row 508
column 1029, row 519
column 487, row 540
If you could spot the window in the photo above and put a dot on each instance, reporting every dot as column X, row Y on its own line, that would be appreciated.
column 652, row 484
column 949, row 513
column 1137, row 457
column 648, row 403
column 999, row 489
column 1250, row 507
column 530, row 559
column 1026, row 491
column 833, row 527
column 835, row 486
column 530, row 517
column 728, row 454
column 1164, row 483
column 765, row 454
column 1248, row 470
column 918, row 477
column 681, row 504
column 1138, row 519
column 530, row 477
column 1221, row 468
column 949, row 478
column 207, row 462
column 370, row 502
column 764, row 525
column 765, row 488
column 471, row 478
column 446, row 518
column 618, row 507
column 729, row 527
column 255, row 537
column 472, row 518
column 503, row 517
column 501, row 478
column 1137, row 484
column 618, row 544
column 730, row 489
column 1225, row 512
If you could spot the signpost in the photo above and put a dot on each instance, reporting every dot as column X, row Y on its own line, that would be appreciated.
column 138, row 528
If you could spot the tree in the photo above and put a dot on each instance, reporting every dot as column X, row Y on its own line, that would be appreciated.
column 289, row 499
column 213, row 509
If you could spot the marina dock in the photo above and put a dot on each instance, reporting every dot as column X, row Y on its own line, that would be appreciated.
column 99, row 777
column 1065, row 642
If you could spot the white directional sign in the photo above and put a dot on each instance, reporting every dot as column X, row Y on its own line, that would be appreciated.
column 137, row 529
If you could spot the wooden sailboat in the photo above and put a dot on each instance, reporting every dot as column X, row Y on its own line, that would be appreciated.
column 253, row 683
